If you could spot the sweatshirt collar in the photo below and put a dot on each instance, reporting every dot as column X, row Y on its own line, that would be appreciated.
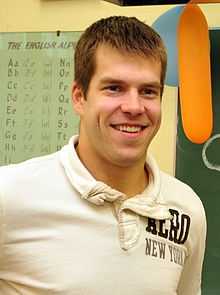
column 149, row 203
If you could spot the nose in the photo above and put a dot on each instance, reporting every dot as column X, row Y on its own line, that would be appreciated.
column 132, row 103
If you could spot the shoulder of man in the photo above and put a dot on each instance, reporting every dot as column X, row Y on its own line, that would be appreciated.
column 20, row 173
column 181, row 197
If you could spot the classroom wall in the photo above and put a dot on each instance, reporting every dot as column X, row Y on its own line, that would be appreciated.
column 76, row 15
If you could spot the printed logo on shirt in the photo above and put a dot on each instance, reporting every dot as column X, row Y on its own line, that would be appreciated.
column 158, row 249
column 177, row 232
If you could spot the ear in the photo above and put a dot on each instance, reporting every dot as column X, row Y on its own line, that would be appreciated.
column 78, row 98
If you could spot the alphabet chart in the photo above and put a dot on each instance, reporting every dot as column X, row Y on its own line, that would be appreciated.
column 36, row 113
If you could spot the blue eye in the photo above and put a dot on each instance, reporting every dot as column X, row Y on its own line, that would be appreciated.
column 149, row 92
column 113, row 88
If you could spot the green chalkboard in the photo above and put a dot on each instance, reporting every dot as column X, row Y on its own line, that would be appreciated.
column 36, row 73
column 199, row 166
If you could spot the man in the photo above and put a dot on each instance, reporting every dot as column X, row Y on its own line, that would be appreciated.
column 97, row 217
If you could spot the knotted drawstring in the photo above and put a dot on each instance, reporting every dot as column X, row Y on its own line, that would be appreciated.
column 101, row 193
column 148, row 204
column 128, row 222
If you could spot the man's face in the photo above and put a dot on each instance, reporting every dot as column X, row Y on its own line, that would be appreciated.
column 121, row 112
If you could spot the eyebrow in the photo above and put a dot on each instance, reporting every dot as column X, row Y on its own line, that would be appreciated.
column 110, row 80
column 154, row 85
column 107, row 80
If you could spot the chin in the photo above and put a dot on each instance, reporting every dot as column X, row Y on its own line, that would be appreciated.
column 129, row 160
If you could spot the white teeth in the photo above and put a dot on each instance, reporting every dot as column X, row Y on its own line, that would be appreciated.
column 131, row 129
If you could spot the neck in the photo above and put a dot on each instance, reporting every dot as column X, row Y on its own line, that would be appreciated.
column 128, row 180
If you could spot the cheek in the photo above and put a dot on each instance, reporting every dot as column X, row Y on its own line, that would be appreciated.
column 96, row 114
column 106, row 108
column 154, row 111
column 108, row 104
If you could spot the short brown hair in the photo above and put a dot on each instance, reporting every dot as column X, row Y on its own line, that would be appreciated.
column 123, row 33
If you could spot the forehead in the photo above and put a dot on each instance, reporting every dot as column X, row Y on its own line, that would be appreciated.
column 121, row 64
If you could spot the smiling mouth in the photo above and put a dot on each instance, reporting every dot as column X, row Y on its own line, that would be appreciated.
column 129, row 128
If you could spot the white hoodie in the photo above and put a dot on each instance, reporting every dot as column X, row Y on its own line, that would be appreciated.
column 64, row 233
